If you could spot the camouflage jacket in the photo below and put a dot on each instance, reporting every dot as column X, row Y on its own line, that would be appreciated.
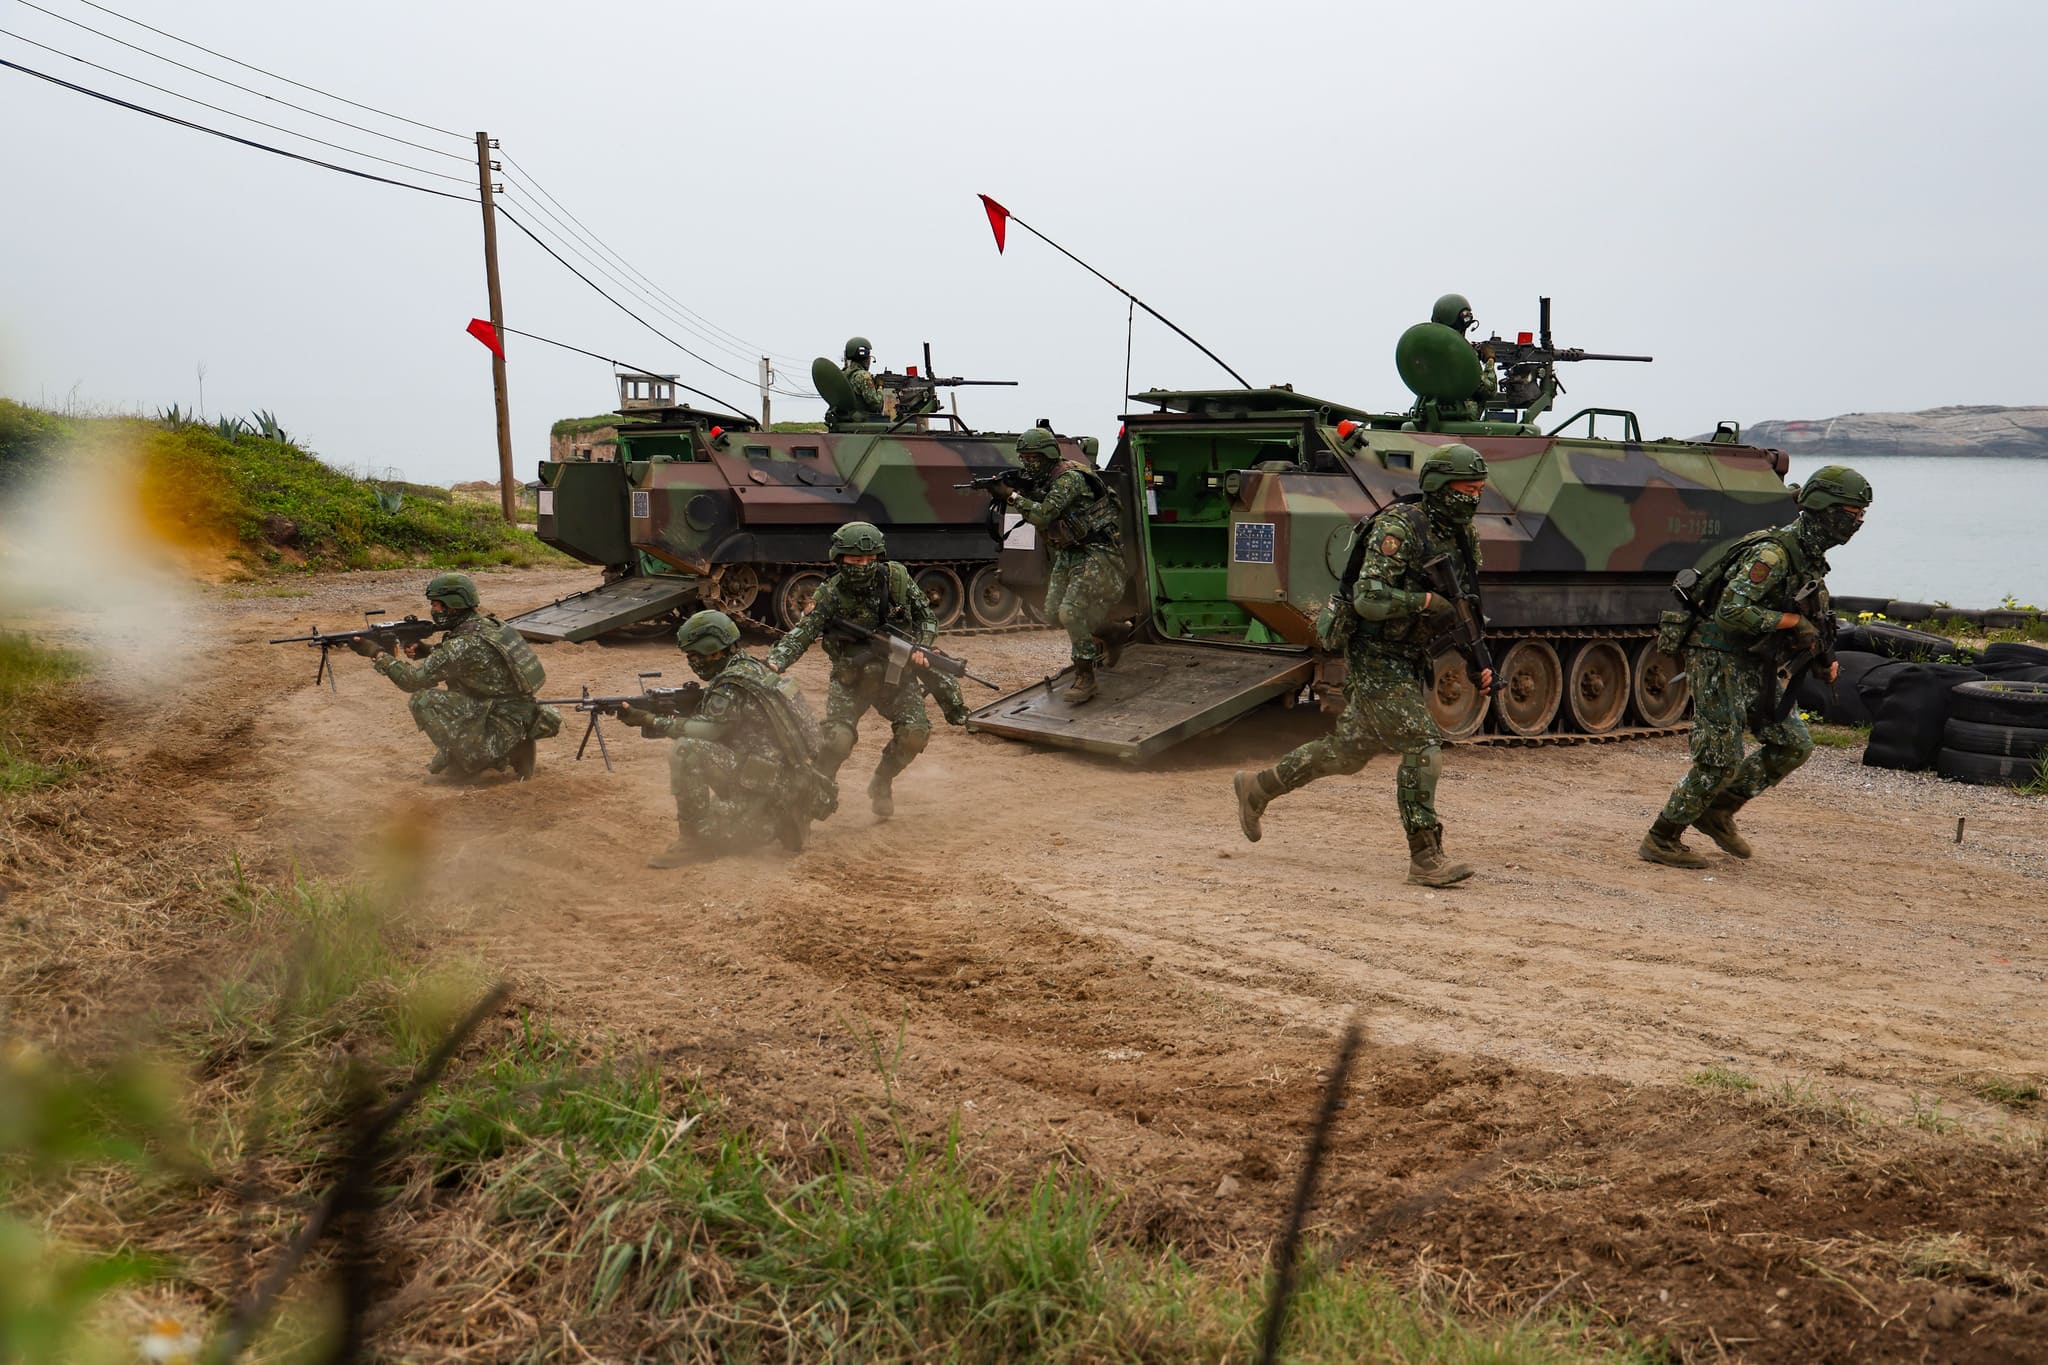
column 895, row 599
column 1389, row 591
column 1766, row 579
column 733, row 710
column 867, row 394
column 1075, row 508
column 468, row 660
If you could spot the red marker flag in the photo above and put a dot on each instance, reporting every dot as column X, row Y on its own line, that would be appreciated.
column 998, row 220
column 487, row 334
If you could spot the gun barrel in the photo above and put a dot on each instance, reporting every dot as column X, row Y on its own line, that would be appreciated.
column 1603, row 355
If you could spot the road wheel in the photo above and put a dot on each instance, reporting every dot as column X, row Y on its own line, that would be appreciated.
column 1528, row 687
column 793, row 596
column 990, row 602
column 739, row 585
column 1986, row 770
column 2006, row 741
column 1458, row 707
column 941, row 587
column 1597, row 688
column 1660, row 689
column 1995, row 702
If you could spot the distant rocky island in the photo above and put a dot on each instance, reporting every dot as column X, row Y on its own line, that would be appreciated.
column 1937, row 431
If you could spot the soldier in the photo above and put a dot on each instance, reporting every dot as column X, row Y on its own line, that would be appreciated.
column 1077, row 514
column 872, row 592
column 742, row 767
column 1454, row 312
column 867, row 395
column 484, row 716
column 1387, row 622
column 1772, row 590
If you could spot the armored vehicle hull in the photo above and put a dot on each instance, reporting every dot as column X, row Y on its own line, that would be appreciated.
column 1239, row 507
column 703, row 509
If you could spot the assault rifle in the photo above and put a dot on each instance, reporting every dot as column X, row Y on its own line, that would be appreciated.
column 1002, row 478
column 662, row 701
column 1528, row 365
column 894, row 648
column 1781, row 665
column 1467, row 632
column 411, row 632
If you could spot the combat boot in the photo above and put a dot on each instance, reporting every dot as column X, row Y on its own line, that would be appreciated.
column 1254, row 790
column 1113, row 639
column 1718, row 824
column 880, row 799
column 792, row 827
column 1427, row 865
column 522, row 759
column 1665, row 843
column 681, row 853
column 438, row 763
column 1082, row 688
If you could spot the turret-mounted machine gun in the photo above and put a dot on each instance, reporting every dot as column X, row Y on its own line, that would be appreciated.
column 1447, row 375
column 1528, row 365
column 912, row 394
column 411, row 634
column 660, row 701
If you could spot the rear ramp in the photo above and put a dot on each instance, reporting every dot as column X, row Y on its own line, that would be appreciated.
column 586, row 615
column 1157, row 696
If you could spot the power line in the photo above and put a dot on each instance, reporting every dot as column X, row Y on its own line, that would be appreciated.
column 230, row 137
column 246, row 118
column 389, row 137
column 246, row 66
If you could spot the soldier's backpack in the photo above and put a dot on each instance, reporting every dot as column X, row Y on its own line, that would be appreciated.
column 518, row 655
column 1097, row 521
column 1699, row 588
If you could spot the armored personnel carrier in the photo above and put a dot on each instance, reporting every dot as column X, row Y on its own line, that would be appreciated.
column 1240, row 503
column 703, row 508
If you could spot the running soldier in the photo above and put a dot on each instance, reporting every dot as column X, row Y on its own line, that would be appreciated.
column 1073, row 509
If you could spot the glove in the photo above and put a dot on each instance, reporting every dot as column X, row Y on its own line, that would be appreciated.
column 366, row 647
column 1805, row 636
column 1438, row 607
column 635, row 717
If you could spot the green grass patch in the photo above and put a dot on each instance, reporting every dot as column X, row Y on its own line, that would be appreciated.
column 2009, row 1091
column 30, row 675
column 583, row 426
column 1840, row 736
column 1721, row 1078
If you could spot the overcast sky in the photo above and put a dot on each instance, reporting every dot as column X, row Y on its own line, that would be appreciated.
column 1799, row 209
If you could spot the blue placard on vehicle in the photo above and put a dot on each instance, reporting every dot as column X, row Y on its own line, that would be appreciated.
column 1252, row 542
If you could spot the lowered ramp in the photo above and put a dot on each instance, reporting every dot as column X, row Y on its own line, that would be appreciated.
column 586, row 615
column 1157, row 696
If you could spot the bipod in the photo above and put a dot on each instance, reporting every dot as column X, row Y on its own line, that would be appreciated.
column 593, row 728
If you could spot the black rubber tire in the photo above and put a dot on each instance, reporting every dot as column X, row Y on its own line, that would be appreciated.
column 2012, row 649
column 2006, row 741
column 1848, row 607
column 1993, row 702
column 1910, row 612
column 1986, row 770
column 1897, row 642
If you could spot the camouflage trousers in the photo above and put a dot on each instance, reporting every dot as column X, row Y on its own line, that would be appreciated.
column 724, row 797
column 945, row 690
column 855, row 690
column 1085, row 586
column 1384, row 712
column 1724, row 691
column 478, row 735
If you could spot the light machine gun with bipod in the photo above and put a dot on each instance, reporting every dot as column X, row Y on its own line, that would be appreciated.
column 411, row 633
column 660, row 701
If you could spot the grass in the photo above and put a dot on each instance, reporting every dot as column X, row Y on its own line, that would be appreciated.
column 580, row 426
column 30, row 674
column 2009, row 1091
column 1840, row 736
column 1721, row 1078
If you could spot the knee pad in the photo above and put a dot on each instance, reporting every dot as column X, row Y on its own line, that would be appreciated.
column 835, row 744
column 910, row 741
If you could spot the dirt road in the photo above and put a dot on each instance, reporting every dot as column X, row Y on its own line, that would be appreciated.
column 1088, row 963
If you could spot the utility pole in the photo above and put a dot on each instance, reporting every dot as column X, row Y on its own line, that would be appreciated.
column 767, row 378
column 508, row 499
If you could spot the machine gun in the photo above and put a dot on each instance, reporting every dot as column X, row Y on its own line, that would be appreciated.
column 1528, row 364
column 411, row 632
column 894, row 648
column 662, row 701
column 916, row 391
column 1467, row 632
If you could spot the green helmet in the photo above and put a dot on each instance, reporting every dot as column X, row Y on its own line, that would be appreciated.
column 1834, row 485
column 1451, row 464
column 1038, row 444
column 1452, row 311
column 454, row 591
column 857, row 538
column 708, row 632
column 857, row 348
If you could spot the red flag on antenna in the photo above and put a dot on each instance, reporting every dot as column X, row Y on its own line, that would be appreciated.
column 487, row 334
column 998, row 220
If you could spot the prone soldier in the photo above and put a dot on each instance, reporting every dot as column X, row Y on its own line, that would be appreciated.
column 473, row 693
column 1074, row 510
column 1755, row 610
column 1388, row 618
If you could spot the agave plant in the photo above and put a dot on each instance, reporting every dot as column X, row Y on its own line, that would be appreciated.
column 267, row 427
column 228, row 428
column 173, row 416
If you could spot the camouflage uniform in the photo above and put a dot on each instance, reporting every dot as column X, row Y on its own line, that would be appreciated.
column 734, row 780
column 1454, row 312
column 867, row 393
column 1078, row 518
column 469, row 697
column 858, row 681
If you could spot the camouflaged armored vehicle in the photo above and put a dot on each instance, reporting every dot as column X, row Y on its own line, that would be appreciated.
column 703, row 508
column 1239, row 506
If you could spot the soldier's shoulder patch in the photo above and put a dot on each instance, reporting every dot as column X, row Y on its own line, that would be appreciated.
column 1760, row 571
column 1390, row 544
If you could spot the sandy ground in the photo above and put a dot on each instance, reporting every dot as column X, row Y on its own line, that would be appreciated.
column 1088, row 963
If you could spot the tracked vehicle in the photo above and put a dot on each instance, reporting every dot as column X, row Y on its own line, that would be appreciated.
column 1240, row 503
column 703, row 508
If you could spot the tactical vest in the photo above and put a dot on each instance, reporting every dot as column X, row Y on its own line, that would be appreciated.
column 518, row 655
column 1410, row 632
column 1692, row 622
column 1097, row 521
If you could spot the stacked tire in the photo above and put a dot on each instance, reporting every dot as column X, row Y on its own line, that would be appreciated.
column 1996, row 734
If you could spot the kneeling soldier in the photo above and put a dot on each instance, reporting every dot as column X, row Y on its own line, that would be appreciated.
column 483, row 714
column 741, row 769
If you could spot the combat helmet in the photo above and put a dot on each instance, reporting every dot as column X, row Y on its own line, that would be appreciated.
column 1038, row 444
column 455, row 591
column 1453, row 311
column 1834, row 485
column 707, row 632
column 857, row 538
column 857, row 348
column 1454, row 463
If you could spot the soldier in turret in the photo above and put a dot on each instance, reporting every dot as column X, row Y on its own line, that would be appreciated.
column 1454, row 312
column 1387, row 619
column 867, row 395
column 742, row 769
column 473, row 693
column 1072, row 507
column 1763, row 606
column 871, row 592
